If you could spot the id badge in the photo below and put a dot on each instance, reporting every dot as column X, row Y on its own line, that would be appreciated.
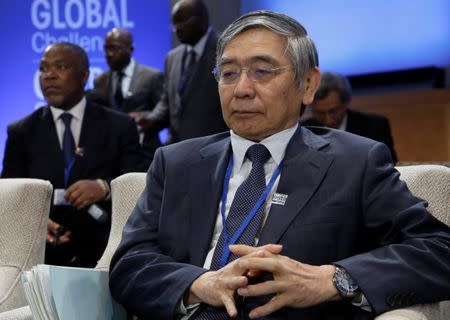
column 58, row 198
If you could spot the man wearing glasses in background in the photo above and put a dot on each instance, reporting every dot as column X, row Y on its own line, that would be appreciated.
column 269, row 220
column 330, row 108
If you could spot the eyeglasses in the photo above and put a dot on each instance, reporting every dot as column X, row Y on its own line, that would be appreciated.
column 230, row 74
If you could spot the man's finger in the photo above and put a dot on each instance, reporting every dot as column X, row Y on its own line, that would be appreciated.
column 242, row 250
column 273, row 305
column 72, row 194
column 73, row 187
column 237, row 282
column 76, row 199
column 260, row 289
column 228, row 302
column 52, row 226
column 270, row 264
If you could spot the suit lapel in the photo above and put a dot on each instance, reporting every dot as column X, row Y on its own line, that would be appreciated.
column 304, row 168
column 134, row 81
column 207, row 190
column 203, row 69
column 177, row 60
column 109, row 87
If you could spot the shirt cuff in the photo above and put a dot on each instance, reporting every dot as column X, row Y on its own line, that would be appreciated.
column 363, row 304
column 186, row 310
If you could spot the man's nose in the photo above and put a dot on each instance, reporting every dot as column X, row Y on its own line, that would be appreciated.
column 244, row 87
column 49, row 74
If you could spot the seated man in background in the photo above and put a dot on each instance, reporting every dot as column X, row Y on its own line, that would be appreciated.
column 79, row 147
column 315, row 237
column 330, row 108
column 128, row 86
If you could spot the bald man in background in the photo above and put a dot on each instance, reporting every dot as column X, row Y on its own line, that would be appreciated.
column 190, row 103
column 128, row 86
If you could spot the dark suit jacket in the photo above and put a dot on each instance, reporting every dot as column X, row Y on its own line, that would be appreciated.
column 197, row 112
column 361, row 217
column 371, row 126
column 144, row 93
column 110, row 148
column 368, row 125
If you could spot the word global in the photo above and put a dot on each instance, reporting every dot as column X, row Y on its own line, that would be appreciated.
column 75, row 14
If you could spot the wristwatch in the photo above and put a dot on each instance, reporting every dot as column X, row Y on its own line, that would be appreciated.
column 345, row 285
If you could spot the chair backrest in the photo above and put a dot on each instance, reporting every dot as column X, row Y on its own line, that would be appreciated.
column 125, row 191
column 24, row 212
column 432, row 183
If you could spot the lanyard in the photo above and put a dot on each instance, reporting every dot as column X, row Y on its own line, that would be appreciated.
column 250, row 215
column 67, row 171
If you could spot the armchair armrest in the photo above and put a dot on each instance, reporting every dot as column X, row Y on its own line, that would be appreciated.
column 430, row 311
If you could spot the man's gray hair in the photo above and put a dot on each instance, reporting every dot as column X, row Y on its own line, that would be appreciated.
column 331, row 81
column 300, row 48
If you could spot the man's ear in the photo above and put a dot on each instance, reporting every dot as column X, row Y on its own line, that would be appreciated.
column 85, row 76
column 310, row 85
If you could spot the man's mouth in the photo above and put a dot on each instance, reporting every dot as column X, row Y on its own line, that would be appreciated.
column 52, row 90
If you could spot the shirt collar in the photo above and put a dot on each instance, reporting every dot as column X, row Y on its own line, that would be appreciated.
column 343, row 125
column 76, row 111
column 128, row 70
column 276, row 144
column 200, row 45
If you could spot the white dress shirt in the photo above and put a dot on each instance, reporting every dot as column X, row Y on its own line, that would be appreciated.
column 77, row 113
column 276, row 144
column 126, row 78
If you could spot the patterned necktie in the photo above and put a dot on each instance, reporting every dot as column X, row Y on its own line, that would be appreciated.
column 246, row 196
column 68, row 146
column 188, row 70
column 118, row 96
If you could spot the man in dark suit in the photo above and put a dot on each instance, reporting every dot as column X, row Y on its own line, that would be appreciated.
column 128, row 86
column 79, row 147
column 322, row 240
column 190, row 102
column 330, row 109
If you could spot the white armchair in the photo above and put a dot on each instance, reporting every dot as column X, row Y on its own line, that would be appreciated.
column 125, row 191
column 432, row 183
column 24, row 211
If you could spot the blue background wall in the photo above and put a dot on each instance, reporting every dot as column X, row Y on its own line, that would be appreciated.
column 29, row 26
column 370, row 36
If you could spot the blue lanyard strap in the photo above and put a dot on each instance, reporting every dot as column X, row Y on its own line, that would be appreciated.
column 250, row 215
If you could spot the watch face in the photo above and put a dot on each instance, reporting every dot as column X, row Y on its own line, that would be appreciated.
column 344, row 283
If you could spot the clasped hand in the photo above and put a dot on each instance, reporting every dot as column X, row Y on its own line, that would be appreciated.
column 83, row 193
column 294, row 284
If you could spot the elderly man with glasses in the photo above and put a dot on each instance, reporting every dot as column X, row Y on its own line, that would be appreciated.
column 269, row 220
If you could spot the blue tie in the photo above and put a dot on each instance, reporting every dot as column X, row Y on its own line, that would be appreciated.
column 68, row 147
column 118, row 96
column 246, row 196
column 189, row 62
